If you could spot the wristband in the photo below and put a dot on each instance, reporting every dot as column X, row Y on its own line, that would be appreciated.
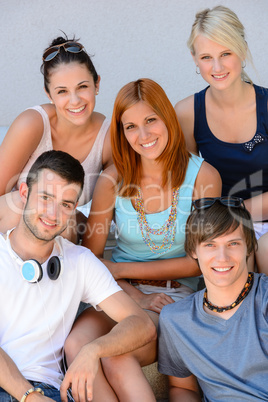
column 23, row 399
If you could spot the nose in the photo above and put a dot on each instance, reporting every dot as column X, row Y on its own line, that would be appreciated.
column 74, row 98
column 217, row 65
column 144, row 133
column 52, row 211
column 222, row 254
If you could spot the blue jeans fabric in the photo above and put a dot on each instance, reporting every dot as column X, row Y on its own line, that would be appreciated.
column 49, row 391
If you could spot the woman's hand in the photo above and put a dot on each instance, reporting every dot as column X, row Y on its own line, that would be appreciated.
column 154, row 301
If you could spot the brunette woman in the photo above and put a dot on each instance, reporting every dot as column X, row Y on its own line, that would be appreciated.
column 69, row 123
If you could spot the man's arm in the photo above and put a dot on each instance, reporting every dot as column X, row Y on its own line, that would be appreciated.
column 184, row 389
column 134, row 329
column 13, row 382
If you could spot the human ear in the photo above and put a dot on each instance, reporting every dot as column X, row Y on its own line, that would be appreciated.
column 97, row 85
column 24, row 190
column 48, row 95
column 194, row 256
column 194, row 58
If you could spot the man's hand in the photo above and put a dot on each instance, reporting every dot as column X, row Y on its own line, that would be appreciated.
column 80, row 376
column 134, row 329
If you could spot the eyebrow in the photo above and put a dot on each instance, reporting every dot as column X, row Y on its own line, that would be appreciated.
column 208, row 53
column 147, row 117
column 228, row 241
column 53, row 196
column 82, row 82
column 79, row 83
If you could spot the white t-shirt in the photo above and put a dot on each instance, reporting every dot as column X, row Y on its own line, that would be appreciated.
column 35, row 318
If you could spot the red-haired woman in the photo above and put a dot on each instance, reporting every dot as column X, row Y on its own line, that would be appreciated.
column 149, row 193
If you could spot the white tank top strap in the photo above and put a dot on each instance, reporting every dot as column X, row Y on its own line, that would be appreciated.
column 40, row 110
column 97, row 147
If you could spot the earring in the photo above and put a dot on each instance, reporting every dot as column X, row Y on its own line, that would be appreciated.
column 197, row 70
column 52, row 103
column 97, row 92
column 244, row 64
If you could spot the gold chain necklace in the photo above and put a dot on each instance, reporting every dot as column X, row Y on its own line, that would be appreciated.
column 168, row 229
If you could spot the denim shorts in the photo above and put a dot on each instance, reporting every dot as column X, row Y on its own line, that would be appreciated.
column 49, row 391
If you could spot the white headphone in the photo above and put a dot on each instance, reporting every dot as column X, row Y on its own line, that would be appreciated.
column 31, row 270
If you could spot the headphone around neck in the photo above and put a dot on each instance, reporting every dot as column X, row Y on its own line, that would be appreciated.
column 31, row 270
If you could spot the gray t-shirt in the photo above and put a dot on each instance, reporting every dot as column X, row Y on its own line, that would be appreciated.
column 228, row 357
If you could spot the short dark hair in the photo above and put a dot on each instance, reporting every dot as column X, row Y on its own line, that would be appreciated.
column 64, row 57
column 62, row 163
column 207, row 224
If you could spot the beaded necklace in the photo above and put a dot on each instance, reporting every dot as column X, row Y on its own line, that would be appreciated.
column 243, row 294
column 168, row 229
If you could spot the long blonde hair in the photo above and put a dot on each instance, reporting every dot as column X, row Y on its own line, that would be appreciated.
column 221, row 25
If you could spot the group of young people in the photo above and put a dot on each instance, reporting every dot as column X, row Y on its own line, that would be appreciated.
column 181, row 185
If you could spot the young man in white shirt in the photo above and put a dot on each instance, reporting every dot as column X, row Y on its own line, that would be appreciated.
column 43, row 278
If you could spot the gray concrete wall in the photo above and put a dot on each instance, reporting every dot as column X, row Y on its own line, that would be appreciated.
column 129, row 39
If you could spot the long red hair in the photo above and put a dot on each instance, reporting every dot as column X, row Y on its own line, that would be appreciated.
column 175, row 156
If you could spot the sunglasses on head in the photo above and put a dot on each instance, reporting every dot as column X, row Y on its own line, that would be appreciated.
column 232, row 202
column 72, row 47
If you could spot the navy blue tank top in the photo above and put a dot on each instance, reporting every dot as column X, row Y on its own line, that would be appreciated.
column 243, row 167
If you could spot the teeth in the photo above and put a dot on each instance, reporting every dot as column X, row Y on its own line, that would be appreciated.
column 149, row 145
column 222, row 269
column 77, row 110
column 219, row 76
column 48, row 224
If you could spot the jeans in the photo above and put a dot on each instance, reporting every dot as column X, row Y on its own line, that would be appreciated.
column 49, row 391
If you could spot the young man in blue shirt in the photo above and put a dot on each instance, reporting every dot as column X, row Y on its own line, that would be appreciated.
column 216, row 340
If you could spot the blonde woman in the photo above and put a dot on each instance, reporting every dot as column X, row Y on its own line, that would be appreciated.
column 227, row 122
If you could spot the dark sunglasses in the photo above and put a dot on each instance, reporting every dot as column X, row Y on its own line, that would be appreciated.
column 232, row 202
column 72, row 47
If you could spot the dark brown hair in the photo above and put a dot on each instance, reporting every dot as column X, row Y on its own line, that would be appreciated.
column 207, row 224
column 63, row 164
column 64, row 57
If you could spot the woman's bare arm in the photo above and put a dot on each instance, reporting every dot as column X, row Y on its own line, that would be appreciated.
column 18, row 145
column 185, row 113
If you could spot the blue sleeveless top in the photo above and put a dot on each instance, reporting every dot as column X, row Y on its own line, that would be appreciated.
column 243, row 167
column 130, row 245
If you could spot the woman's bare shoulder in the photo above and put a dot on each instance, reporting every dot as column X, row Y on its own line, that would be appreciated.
column 185, row 107
column 108, row 178
column 185, row 113
column 208, row 182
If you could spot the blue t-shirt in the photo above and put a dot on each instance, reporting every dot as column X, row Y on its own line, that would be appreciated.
column 130, row 245
column 243, row 167
column 228, row 357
